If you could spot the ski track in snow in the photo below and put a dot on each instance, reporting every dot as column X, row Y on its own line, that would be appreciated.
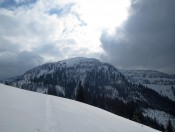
column 52, row 123
column 48, row 118
column 26, row 111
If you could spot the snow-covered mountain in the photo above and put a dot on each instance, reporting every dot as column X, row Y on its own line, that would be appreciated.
column 65, row 75
column 162, row 83
column 25, row 111
column 104, row 86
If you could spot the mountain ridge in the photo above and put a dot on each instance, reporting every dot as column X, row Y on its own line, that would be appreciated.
column 104, row 86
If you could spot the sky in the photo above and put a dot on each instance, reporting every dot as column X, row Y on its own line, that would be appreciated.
column 130, row 34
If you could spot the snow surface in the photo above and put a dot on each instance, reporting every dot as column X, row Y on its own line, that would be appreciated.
column 26, row 111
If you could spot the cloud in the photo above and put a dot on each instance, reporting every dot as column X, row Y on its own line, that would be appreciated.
column 146, row 40
column 1, row 1
column 50, row 30
column 13, row 64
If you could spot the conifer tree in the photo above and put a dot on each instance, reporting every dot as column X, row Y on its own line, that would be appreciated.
column 80, row 93
column 52, row 91
column 169, row 127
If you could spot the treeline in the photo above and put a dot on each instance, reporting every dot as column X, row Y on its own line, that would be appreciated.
column 129, row 110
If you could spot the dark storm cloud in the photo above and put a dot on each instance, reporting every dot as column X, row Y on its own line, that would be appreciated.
column 147, row 38
column 30, row 36
column 13, row 64
column 6, row 45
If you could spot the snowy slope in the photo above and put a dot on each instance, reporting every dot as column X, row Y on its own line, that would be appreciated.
column 160, row 82
column 149, row 77
column 164, row 90
column 25, row 111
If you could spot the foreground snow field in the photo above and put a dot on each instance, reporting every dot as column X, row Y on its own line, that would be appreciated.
column 26, row 111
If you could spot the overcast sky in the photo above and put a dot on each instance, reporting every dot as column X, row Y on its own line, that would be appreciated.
column 130, row 34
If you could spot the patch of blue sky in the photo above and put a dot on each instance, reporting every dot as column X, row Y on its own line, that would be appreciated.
column 11, row 4
column 56, row 11
column 61, row 10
